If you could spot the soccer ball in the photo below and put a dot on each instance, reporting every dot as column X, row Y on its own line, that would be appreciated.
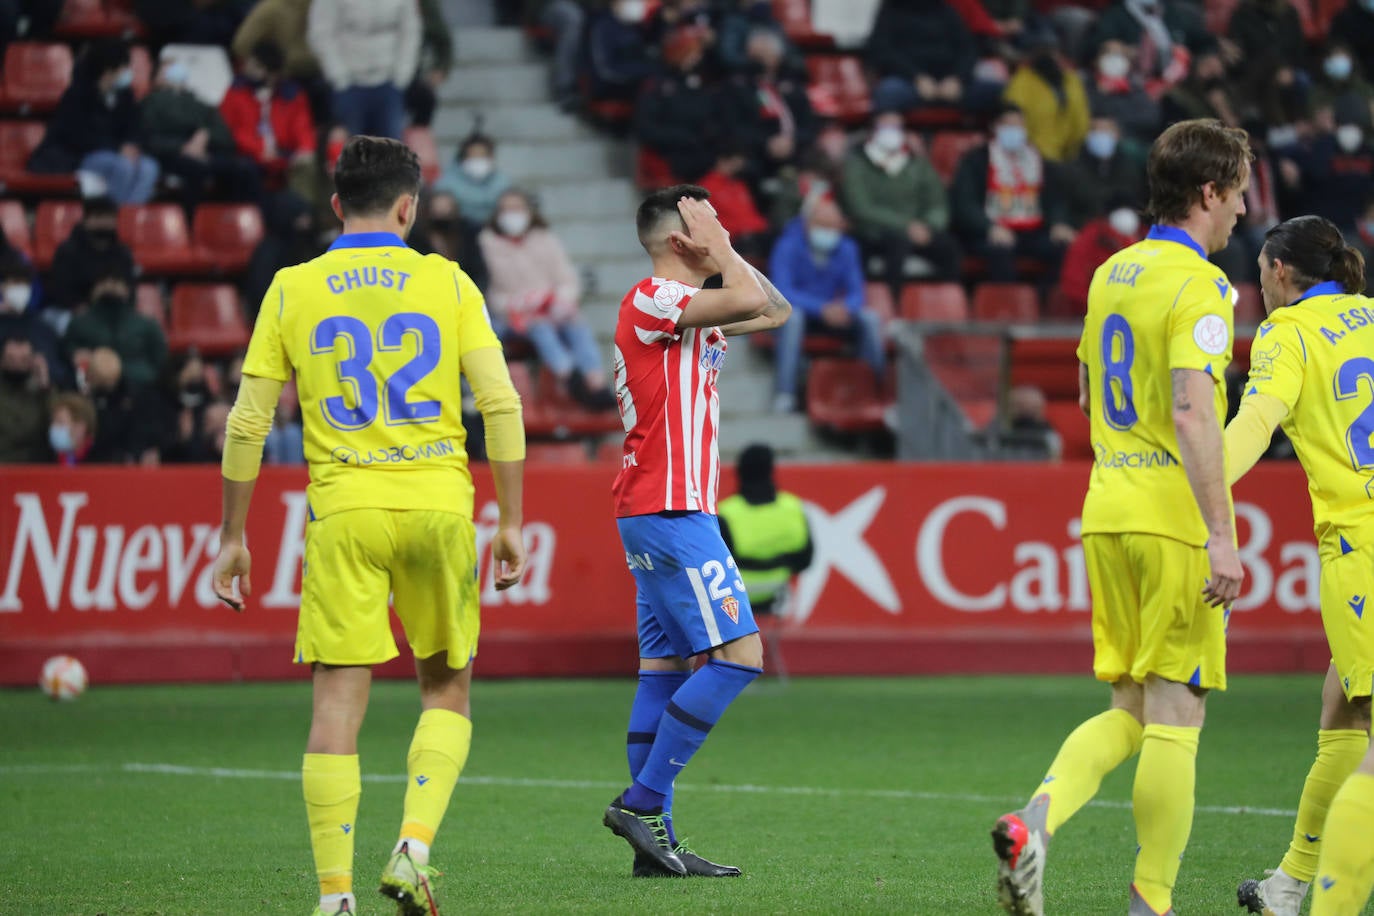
column 64, row 678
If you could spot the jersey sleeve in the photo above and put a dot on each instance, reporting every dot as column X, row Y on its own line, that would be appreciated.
column 1200, row 329
column 266, row 356
column 474, row 322
column 658, row 308
column 1278, row 358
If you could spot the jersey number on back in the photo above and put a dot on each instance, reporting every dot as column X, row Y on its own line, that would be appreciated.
column 350, row 340
column 1347, row 384
column 1118, row 391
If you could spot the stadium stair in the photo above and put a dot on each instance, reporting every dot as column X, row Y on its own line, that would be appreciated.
column 583, row 181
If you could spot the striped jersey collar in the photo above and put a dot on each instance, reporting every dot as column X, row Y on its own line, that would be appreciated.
column 1329, row 288
column 368, row 240
column 1175, row 234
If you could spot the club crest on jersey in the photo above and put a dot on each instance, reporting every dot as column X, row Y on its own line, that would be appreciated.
column 731, row 607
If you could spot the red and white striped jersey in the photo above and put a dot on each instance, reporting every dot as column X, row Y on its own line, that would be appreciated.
column 665, row 380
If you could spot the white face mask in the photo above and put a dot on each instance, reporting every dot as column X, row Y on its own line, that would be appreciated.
column 125, row 79
column 1338, row 66
column 889, row 138
column 177, row 74
column 1124, row 221
column 1114, row 66
column 631, row 10
column 513, row 222
column 478, row 167
column 17, row 296
column 1349, row 137
column 822, row 238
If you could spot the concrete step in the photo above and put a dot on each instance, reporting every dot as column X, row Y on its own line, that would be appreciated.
column 612, row 279
column 533, row 163
column 590, row 198
column 789, row 434
column 602, row 317
column 483, row 45
column 491, row 85
column 539, row 121
column 744, row 390
column 589, row 240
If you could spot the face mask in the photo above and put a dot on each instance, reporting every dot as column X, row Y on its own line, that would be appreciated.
column 822, row 238
column 110, row 302
column 194, row 395
column 102, row 236
column 17, row 296
column 125, row 79
column 1338, row 67
column 177, row 74
column 889, row 138
column 1367, row 228
column 60, row 438
column 1114, row 66
column 1011, row 137
column 513, row 222
column 478, row 167
column 631, row 10
column 1101, row 144
column 1349, row 137
column 1124, row 221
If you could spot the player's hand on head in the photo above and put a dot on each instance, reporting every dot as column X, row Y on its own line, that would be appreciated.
column 508, row 556
column 232, row 563
column 703, row 226
column 1227, row 573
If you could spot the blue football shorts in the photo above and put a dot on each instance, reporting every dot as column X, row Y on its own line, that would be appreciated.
column 689, row 597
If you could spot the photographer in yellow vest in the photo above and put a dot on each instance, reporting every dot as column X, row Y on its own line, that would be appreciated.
column 765, row 530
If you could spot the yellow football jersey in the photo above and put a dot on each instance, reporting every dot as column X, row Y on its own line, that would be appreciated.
column 1317, row 357
column 1156, row 306
column 375, row 333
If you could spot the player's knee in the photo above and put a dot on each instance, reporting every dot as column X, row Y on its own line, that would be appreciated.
column 747, row 651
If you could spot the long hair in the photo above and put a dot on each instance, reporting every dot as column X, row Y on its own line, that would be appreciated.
column 1315, row 251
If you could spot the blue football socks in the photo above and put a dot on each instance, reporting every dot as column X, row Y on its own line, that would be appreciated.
column 693, row 710
column 656, row 688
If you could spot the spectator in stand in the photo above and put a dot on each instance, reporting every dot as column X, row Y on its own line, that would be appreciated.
column 92, row 250
column 473, row 179
column 767, row 108
column 735, row 205
column 1204, row 94
column 24, row 387
column 1098, row 240
column 897, row 203
column 191, row 141
column 616, row 59
column 285, row 23
column 922, row 53
column 268, row 116
column 442, row 230
column 95, row 128
column 128, row 418
column 19, row 319
column 286, row 442
column 673, row 16
column 1029, row 432
column 534, row 295
column 1102, row 172
column 291, row 236
column 567, row 21
column 1007, row 203
column 1049, row 92
column 1336, row 173
column 436, row 60
column 187, row 394
column 216, row 421
column 1354, row 27
column 1162, row 35
column 817, row 268
column 676, row 115
column 369, row 51
column 1341, row 80
column 1118, row 93
column 112, row 321
column 1364, row 239
column 738, row 22
column 71, row 428
column 1272, row 55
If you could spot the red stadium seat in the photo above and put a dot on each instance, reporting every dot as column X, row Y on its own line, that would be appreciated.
column 1050, row 364
column 36, row 75
column 843, row 395
column 843, row 78
column 1006, row 302
column 557, row 453
column 1249, row 304
column 571, row 418
column 934, row 302
column 52, row 223
column 538, row 423
column 148, row 302
column 1068, row 421
column 207, row 316
column 16, row 226
column 421, row 139
column 93, row 19
column 652, row 170
column 17, row 141
column 159, row 238
column 947, row 147
column 226, row 234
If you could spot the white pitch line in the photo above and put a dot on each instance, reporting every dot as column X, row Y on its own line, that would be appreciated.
column 172, row 769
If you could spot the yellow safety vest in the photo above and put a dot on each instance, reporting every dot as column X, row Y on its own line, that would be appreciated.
column 762, row 532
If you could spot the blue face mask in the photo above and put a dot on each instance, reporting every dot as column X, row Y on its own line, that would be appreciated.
column 1338, row 67
column 1011, row 137
column 60, row 438
column 125, row 79
column 1101, row 144
column 823, row 239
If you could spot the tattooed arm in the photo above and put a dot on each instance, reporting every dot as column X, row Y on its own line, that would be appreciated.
column 773, row 315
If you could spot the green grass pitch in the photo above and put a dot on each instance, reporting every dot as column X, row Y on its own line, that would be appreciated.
column 834, row 795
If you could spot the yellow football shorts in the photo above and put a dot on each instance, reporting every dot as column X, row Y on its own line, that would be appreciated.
column 1347, row 581
column 1148, row 613
column 355, row 560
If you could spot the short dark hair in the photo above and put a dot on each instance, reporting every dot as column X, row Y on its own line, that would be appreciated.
column 1189, row 155
column 112, row 269
column 268, row 53
column 13, row 266
column 104, row 55
column 476, row 138
column 372, row 172
column 1315, row 251
column 662, row 203
column 101, row 205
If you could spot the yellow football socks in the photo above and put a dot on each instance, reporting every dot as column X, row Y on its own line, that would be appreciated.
column 1339, row 752
column 1163, row 803
column 1092, row 750
column 332, row 786
column 1346, row 870
column 437, row 754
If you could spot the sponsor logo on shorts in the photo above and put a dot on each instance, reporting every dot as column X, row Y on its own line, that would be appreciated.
column 731, row 607
column 1357, row 605
column 639, row 561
